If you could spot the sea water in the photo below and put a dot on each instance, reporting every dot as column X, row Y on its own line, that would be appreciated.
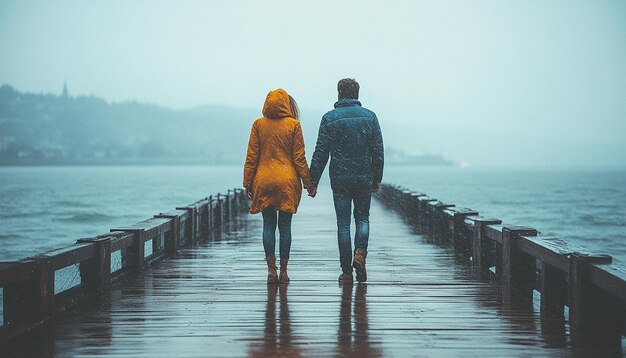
column 43, row 208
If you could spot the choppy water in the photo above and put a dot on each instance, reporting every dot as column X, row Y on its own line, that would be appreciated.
column 42, row 208
column 584, row 207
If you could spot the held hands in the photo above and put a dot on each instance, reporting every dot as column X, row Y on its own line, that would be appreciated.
column 312, row 189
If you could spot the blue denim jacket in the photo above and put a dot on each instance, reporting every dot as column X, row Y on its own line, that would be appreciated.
column 351, row 136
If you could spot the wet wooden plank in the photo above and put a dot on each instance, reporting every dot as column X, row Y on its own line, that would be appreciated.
column 212, row 300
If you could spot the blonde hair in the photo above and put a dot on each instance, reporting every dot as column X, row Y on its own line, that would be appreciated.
column 295, row 111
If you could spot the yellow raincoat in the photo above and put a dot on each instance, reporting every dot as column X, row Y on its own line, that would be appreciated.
column 275, row 164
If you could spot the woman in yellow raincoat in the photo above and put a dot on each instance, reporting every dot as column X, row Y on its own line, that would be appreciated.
column 273, row 175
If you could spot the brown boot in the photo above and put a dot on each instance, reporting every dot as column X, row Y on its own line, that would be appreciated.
column 345, row 278
column 359, row 264
column 283, row 278
column 272, row 276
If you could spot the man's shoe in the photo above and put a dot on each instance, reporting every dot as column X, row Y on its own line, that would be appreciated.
column 345, row 278
column 359, row 264
column 272, row 276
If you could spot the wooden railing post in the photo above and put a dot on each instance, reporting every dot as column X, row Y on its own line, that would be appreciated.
column 426, row 219
column 239, row 202
column 243, row 202
column 462, row 243
column 553, row 287
column 440, row 224
column 44, row 278
column 233, row 204
column 171, row 237
column 172, row 244
column 206, row 218
column 157, row 243
column 31, row 300
column 414, row 210
column 217, row 213
column 409, row 208
column 133, row 256
column 226, row 208
column 236, row 207
column 95, row 274
column 191, row 225
column 592, row 323
column 194, row 226
column 404, row 202
column 418, row 213
column 137, row 251
column 518, row 269
column 480, row 252
column 210, row 215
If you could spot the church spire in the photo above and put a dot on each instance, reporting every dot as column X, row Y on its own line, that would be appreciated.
column 65, row 94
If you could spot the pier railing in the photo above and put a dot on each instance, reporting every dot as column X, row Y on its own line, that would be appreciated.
column 38, row 288
column 576, row 286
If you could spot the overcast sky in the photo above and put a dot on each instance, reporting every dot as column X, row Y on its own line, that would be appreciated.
column 489, row 82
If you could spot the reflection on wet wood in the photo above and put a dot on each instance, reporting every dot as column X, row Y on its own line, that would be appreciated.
column 212, row 300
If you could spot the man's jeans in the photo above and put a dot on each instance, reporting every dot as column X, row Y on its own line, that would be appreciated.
column 343, row 197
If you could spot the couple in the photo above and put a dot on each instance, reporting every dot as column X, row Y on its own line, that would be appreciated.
column 276, row 168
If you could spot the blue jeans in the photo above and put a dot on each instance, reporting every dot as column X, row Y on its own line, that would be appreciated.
column 270, row 218
column 343, row 197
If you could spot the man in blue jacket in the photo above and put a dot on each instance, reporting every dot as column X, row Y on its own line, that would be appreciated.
column 351, row 136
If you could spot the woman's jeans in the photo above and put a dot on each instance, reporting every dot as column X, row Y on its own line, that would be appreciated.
column 343, row 197
column 270, row 218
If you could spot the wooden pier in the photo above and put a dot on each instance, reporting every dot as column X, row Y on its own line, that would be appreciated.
column 442, row 281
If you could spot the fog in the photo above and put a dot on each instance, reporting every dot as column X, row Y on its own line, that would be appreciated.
column 487, row 83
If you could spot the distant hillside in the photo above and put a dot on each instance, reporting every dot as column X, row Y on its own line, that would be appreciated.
column 60, row 129
column 38, row 128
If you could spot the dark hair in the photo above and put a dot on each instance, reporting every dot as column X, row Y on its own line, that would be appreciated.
column 295, row 111
column 348, row 88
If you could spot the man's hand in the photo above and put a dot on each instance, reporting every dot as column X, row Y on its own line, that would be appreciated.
column 375, row 187
column 312, row 189
column 248, row 193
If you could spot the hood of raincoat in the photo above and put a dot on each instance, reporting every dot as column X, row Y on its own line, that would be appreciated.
column 277, row 104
